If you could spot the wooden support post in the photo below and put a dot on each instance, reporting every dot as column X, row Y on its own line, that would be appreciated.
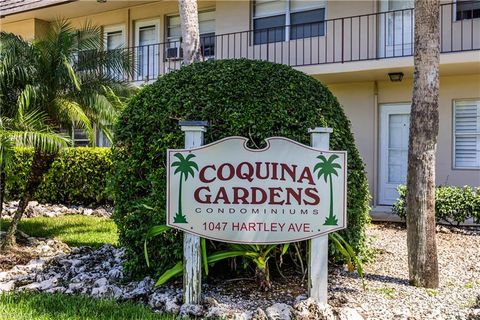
column 318, row 247
column 192, row 258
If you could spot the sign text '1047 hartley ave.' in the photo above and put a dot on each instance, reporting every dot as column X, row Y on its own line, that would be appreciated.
column 283, row 193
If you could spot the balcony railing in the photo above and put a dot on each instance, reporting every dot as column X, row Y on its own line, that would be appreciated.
column 357, row 38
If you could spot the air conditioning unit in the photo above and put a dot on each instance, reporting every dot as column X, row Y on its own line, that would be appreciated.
column 174, row 53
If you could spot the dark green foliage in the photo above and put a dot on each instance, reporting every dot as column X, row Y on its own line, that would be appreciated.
column 78, row 176
column 246, row 98
column 453, row 204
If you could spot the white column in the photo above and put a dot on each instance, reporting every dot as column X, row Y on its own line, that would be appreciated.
column 318, row 247
column 192, row 259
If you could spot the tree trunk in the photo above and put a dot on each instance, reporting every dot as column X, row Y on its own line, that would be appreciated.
column 422, row 248
column 3, row 177
column 190, row 31
column 40, row 165
column 262, row 277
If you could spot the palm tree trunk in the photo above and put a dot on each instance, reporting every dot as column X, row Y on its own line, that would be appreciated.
column 180, row 195
column 262, row 277
column 40, row 165
column 422, row 248
column 331, row 197
column 190, row 31
column 3, row 176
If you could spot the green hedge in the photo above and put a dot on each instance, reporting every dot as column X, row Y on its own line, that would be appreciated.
column 78, row 176
column 452, row 204
column 254, row 99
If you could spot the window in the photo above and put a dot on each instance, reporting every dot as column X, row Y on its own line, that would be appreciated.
column 78, row 135
column 206, row 21
column 80, row 138
column 280, row 20
column 146, row 51
column 467, row 9
column 102, row 138
column 467, row 134
column 114, row 39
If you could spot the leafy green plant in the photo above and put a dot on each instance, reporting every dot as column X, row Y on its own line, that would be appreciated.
column 453, row 205
column 351, row 258
column 69, row 80
column 389, row 292
column 256, row 254
column 254, row 99
column 77, row 176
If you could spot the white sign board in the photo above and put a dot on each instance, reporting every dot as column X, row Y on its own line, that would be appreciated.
column 285, row 192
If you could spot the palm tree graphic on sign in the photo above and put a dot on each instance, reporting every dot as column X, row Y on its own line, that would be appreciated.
column 327, row 168
column 185, row 167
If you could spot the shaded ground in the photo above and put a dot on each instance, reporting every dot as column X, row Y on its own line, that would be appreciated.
column 17, row 256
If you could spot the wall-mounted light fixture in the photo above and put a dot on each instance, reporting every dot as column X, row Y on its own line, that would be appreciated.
column 101, row 1
column 395, row 76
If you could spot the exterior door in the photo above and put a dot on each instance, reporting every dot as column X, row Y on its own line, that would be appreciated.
column 147, row 50
column 397, row 28
column 394, row 129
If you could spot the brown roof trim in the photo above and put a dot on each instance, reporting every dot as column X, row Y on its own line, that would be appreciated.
column 32, row 7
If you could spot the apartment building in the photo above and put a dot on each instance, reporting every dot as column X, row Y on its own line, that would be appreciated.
column 362, row 50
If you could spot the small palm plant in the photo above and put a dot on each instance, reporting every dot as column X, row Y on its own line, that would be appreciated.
column 69, row 81
column 327, row 168
column 185, row 167
column 27, row 128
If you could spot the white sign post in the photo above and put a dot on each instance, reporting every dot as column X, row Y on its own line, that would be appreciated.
column 285, row 192
column 192, row 259
column 318, row 247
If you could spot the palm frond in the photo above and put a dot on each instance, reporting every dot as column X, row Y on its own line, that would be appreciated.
column 69, row 110
column 99, row 107
column 89, row 37
column 33, row 120
column 6, row 151
column 108, row 66
column 26, row 98
column 43, row 141
column 64, row 87
column 71, row 74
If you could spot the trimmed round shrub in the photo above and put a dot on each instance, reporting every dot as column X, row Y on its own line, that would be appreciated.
column 254, row 99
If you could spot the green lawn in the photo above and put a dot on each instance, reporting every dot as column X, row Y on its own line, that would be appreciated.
column 74, row 230
column 42, row 306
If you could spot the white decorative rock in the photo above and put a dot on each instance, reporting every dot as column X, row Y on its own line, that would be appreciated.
column 310, row 309
column 195, row 310
column 279, row 311
column 259, row 314
column 7, row 286
column 347, row 313
column 102, row 282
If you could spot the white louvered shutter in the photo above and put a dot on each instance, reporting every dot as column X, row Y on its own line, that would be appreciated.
column 467, row 134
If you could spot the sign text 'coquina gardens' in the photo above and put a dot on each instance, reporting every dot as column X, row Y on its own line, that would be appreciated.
column 283, row 193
